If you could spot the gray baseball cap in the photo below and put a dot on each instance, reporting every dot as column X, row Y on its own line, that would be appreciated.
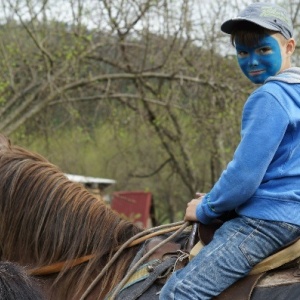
column 266, row 15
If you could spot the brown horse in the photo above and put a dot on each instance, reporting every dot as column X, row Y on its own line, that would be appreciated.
column 46, row 219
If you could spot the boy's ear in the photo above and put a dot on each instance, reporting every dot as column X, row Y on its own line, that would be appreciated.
column 290, row 46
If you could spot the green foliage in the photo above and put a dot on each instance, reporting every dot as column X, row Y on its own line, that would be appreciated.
column 126, row 149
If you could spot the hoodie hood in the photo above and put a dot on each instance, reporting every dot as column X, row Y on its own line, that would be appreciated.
column 290, row 75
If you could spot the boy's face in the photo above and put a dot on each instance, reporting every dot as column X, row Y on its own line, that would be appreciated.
column 262, row 60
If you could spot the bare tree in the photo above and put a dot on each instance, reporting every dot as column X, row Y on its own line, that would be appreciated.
column 164, row 62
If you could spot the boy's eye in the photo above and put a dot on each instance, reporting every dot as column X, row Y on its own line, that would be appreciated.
column 242, row 53
column 264, row 50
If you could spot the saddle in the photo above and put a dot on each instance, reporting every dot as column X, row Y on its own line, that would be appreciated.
column 174, row 255
column 282, row 266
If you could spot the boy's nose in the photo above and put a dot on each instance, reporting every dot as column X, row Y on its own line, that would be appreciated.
column 253, row 61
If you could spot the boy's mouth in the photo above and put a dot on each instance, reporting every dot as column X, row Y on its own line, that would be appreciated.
column 256, row 72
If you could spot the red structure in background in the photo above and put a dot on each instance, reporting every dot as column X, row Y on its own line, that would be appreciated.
column 134, row 206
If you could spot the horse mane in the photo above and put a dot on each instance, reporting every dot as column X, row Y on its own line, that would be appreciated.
column 46, row 218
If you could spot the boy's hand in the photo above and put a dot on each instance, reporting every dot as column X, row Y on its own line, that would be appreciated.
column 190, row 213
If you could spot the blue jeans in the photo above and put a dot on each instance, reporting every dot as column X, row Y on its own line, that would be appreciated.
column 238, row 245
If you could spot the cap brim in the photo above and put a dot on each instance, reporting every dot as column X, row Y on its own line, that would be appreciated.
column 230, row 25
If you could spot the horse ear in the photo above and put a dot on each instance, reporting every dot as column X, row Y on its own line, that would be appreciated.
column 4, row 142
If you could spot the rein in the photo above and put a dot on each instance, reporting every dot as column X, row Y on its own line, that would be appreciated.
column 135, row 240
column 178, row 229
column 139, row 262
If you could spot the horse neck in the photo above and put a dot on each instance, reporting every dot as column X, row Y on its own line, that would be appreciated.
column 54, row 233
column 45, row 218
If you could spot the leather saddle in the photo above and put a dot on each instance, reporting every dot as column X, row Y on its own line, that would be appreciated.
column 285, row 258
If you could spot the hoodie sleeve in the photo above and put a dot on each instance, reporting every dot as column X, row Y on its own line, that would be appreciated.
column 264, row 123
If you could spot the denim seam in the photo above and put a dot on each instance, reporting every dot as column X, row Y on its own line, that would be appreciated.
column 290, row 227
column 250, row 235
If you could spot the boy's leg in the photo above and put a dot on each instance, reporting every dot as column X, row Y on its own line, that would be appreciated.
column 237, row 246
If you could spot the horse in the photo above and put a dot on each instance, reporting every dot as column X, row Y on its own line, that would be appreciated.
column 48, row 221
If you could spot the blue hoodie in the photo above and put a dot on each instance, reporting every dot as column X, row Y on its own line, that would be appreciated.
column 263, row 179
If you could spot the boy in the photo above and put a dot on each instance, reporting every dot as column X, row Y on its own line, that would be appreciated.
column 262, row 182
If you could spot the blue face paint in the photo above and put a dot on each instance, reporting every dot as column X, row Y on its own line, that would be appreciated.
column 260, row 61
